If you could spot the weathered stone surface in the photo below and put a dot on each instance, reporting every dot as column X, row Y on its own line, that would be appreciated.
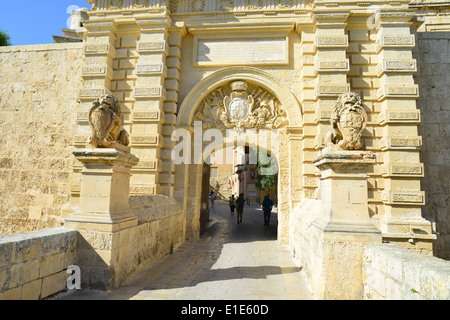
column 434, row 107
column 242, row 108
column 394, row 273
column 174, row 56
column 34, row 264
column 106, row 121
column 35, row 168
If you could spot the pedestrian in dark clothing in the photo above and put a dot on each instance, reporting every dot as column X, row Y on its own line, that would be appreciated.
column 267, row 208
column 232, row 203
column 240, row 202
column 212, row 198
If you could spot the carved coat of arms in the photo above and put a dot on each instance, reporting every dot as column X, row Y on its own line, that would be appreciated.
column 349, row 119
column 237, row 106
column 105, row 120
column 241, row 109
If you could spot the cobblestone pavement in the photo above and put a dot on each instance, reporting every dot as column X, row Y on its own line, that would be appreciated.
column 230, row 262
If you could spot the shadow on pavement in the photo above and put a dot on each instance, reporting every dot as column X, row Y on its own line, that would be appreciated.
column 204, row 261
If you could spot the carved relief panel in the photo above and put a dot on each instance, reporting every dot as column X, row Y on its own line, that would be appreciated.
column 196, row 6
column 242, row 107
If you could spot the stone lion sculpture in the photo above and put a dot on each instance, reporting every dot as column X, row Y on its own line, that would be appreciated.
column 105, row 119
column 349, row 119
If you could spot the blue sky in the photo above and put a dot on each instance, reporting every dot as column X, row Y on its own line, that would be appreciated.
column 36, row 21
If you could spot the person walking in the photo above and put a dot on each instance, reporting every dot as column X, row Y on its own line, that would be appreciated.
column 267, row 206
column 240, row 203
column 212, row 198
column 232, row 204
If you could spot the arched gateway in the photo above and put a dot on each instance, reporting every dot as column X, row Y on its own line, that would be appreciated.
column 335, row 82
column 240, row 106
column 224, row 77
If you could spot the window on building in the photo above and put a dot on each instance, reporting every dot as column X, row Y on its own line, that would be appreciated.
column 214, row 172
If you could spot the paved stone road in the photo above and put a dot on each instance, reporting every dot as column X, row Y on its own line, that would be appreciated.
column 230, row 262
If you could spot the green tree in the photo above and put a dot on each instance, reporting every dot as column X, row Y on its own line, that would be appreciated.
column 266, row 171
column 5, row 40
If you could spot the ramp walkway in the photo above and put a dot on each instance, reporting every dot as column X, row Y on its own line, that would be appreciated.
column 230, row 261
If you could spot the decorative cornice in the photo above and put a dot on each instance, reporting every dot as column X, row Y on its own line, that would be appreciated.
column 199, row 6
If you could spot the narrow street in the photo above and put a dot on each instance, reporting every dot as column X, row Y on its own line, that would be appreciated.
column 230, row 262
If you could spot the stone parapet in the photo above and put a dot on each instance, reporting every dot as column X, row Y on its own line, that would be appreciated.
column 269, row 7
column 33, row 265
column 394, row 273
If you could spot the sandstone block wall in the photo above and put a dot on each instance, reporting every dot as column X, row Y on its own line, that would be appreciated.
column 387, row 271
column 394, row 273
column 33, row 265
column 324, row 258
column 161, row 228
column 159, row 232
column 433, row 79
column 38, row 103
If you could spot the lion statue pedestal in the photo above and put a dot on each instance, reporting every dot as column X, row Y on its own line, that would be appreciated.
column 104, row 210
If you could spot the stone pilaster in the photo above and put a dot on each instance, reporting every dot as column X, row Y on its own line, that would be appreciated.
column 295, row 141
column 100, row 53
column 149, row 94
column 330, row 66
column 193, row 209
column 324, row 77
column 167, row 174
column 399, row 119
column 97, row 75
column 307, row 99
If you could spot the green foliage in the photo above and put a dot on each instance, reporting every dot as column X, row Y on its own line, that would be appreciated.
column 5, row 40
column 264, row 181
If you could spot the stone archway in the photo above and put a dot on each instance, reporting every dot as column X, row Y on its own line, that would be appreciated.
column 259, row 102
column 249, row 74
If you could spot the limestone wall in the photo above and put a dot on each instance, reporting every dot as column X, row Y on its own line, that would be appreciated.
column 38, row 102
column 434, row 78
column 332, row 262
column 394, row 273
column 382, row 271
column 161, row 226
column 33, row 265
column 160, row 232
column 304, row 241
